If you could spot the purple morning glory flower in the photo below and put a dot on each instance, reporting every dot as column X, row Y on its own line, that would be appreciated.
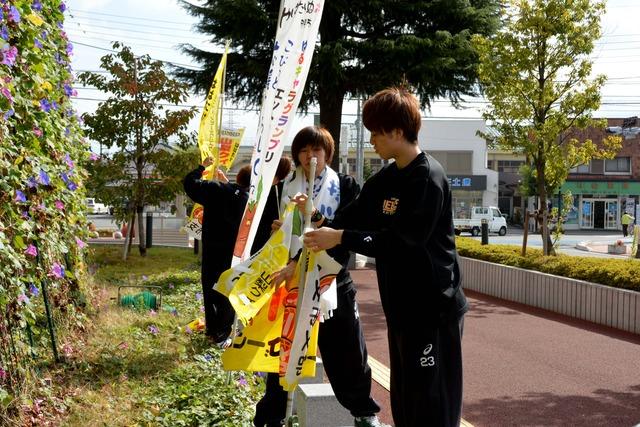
column 34, row 290
column 20, row 197
column 198, row 296
column 36, row 6
column 72, row 186
column 67, row 131
column 69, row 49
column 68, row 161
column 57, row 271
column 80, row 243
column 208, row 357
column 63, row 7
column 22, row 298
column 44, row 178
column 4, row 33
column 59, row 205
column 32, row 183
column 37, row 131
column 37, row 43
column 54, row 105
column 188, row 330
column 68, row 90
column 45, row 105
column 9, row 55
column 59, row 59
column 5, row 92
column 64, row 177
column 153, row 329
column 93, row 157
column 31, row 250
column 242, row 382
column 59, row 24
column 9, row 113
column 25, row 214
column 44, row 34
column 14, row 14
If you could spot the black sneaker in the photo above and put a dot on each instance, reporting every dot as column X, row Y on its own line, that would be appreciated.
column 371, row 421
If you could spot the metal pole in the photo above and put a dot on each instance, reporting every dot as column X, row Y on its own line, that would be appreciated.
column 149, row 229
column 359, row 148
column 47, row 307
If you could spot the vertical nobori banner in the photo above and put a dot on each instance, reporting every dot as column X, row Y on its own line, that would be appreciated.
column 292, row 53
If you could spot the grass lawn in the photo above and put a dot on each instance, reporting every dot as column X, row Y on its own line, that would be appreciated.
column 139, row 367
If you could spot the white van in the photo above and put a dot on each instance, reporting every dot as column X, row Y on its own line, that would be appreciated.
column 94, row 207
column 497, row 223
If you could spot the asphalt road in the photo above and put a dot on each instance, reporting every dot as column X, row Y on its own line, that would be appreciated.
column 528, row 367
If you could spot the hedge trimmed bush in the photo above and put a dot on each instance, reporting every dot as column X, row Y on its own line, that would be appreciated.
column 617, row 273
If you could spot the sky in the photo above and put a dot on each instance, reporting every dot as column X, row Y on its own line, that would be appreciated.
column 157, row 27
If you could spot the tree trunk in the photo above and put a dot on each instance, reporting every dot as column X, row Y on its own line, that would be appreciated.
column 330, row 85
column 141, row 235
column 331, row 118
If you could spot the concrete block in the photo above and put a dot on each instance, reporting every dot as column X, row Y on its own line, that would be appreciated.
column 317, row 406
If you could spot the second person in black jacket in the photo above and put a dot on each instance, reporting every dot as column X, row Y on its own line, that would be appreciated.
column 340, row 339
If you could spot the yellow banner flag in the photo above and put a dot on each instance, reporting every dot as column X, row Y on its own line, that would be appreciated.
column 209, row 131
column 229, row 144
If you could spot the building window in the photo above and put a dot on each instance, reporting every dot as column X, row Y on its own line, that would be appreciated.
column 618, row 165
column 490, row 164
column 510, row 166
column 580, row 169
column 454, row 162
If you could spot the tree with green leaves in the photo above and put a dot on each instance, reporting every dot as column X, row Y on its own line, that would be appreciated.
column 363, row 46
column 136, row 127
column 536, row 73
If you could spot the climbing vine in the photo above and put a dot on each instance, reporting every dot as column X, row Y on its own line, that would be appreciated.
column 42, row 170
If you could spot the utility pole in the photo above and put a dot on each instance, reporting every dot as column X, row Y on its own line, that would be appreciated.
column 359, row 147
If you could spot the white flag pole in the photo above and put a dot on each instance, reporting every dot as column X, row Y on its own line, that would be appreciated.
column 303, row 267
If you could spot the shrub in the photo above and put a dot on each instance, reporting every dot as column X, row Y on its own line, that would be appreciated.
column 617, row 273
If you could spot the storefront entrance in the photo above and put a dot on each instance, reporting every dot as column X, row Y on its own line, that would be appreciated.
column 599, row 214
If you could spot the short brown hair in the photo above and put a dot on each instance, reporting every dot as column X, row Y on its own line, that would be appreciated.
column 314, row 136
column 243, row 177
column 393, row 108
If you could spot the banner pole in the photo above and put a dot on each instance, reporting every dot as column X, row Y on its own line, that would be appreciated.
column 304, row 259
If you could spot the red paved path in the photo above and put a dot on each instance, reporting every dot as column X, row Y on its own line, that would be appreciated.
column 528, row 367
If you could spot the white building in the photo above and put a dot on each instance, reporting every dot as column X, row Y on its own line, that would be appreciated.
column 463, row 154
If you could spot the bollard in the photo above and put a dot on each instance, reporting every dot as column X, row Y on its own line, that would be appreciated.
column 149, row 239
column 484, row 229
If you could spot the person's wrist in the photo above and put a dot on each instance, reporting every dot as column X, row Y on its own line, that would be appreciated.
column 316, row 216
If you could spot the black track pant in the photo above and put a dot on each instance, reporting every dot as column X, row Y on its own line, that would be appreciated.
column 426, row 375
column 218, row 312
column 344, row 356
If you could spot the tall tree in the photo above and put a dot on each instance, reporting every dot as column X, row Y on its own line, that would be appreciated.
column 363, row 46
column 134, row 124
column 536, row 73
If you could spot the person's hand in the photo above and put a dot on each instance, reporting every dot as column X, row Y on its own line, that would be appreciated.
column 221, row 176
column 301, row 201
column 322, row 239
column 207, row 162
column 275, row 225
column 285, row 275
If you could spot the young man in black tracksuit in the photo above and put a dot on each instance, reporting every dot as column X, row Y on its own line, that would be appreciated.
column 223, row 204
column 403, row 218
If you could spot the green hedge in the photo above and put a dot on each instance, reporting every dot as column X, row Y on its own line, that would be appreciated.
column 617, row 273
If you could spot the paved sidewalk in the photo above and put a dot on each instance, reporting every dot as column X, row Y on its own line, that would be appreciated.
column 528, row 367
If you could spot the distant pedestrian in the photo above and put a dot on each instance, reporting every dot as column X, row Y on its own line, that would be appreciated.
column 403, row 217
column 626, row 220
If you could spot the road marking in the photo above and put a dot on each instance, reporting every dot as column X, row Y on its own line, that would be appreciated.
column 381, row 375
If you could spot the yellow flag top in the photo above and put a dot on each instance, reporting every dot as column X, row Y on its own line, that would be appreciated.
column 209, row 131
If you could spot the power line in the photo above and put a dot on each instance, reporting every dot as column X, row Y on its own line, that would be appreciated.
column 189, row 66
column 90, row 12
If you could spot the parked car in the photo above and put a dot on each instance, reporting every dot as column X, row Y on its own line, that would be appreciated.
column 95, row 207
column 496, row 221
